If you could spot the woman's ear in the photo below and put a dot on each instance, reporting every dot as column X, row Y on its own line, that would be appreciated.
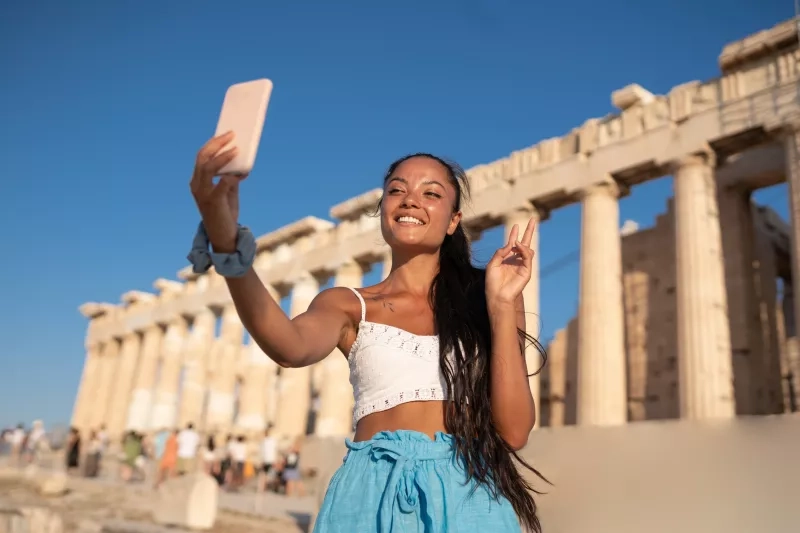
column 454, row 221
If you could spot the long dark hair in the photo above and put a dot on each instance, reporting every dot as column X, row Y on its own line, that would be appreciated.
column 462, row 321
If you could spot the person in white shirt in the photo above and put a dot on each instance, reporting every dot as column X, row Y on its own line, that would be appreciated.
column 188, row 443
column 269, row 454
column 17, row 441
column 238, row 451
column 34, row 441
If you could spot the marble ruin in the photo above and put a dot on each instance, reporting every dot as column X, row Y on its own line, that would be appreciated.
column 679, row 320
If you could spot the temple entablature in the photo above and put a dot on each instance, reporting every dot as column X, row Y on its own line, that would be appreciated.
column 136, row 297
column 763, row 44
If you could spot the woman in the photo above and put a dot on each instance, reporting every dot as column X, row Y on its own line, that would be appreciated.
column 131, row 449
column 73, row 449
column 435, row 353
column 291, row 471
column 168, row 462
column 210, row 462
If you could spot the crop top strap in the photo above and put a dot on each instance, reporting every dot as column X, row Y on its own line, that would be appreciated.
column 363, row 304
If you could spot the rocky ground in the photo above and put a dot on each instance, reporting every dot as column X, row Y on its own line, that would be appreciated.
column 98, row 506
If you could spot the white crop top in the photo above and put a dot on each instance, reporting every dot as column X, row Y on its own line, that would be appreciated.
column 390, row 366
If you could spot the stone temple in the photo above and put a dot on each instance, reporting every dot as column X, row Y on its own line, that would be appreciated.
column 693, row 318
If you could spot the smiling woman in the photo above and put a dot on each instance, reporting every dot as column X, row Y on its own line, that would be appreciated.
column 442, row 400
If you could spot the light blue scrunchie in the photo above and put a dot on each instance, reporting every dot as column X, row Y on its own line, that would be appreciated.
column 233, row 265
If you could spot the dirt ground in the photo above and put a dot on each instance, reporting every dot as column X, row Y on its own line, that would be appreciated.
column 94, row 508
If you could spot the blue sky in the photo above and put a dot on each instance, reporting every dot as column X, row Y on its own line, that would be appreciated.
column 104, row 105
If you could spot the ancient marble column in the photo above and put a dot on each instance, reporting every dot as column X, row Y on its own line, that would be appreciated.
column 738, row 245
column 792, row 145
column 704, row 341
column 198, row 346
column 257, row 391
column 258, row 388
column 791, row 347
column 85, row 400
column 141, row 406
column 165, row 406
column 768, row 349
column 602, row 384
column 336, row 394
column 109, row 359
column 530, row 296
column 294, row 387
column 123, row 384
column 222, row 394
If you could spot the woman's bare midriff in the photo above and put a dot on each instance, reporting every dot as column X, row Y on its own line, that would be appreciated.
column 425, row 417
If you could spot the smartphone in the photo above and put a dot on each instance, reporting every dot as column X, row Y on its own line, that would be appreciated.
column 243, row 112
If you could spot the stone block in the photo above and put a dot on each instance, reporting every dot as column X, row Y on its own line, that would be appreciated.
column 31, row 472
column 29, row 520
column 54, row 484
column 187, row 501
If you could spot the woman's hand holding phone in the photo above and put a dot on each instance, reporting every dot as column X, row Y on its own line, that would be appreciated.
column 218, row 203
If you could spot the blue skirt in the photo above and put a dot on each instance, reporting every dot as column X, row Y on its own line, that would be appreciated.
column 402, row 481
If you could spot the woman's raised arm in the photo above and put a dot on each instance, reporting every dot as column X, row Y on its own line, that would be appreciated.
column 302, row 341
column 311, row 336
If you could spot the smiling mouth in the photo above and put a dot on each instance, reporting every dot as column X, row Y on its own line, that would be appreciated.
column 409, row 221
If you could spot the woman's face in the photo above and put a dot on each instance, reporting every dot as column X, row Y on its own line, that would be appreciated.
column 417, row 209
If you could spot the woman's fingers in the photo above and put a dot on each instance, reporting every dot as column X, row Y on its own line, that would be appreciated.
column 214, row 145
column 214, row 165
column 527, row 237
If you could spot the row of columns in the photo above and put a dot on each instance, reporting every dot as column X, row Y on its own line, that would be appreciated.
column 704, row 336
column 120, row 387
column 704, row 355
column 169, row 375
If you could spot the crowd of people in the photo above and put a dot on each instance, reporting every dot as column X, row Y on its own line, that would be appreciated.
column 24, row 444
column 167, row 453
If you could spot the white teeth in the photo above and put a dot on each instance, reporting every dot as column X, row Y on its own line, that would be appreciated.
column 410, row 220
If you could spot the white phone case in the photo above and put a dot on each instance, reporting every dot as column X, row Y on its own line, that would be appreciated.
column 243, row 112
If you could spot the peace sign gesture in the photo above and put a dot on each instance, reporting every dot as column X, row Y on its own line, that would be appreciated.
column 509, row 270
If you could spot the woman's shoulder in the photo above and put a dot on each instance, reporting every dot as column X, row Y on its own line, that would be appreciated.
column 339, row 299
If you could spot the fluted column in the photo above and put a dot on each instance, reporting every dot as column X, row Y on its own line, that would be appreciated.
column 108, row 362
column 198, row 347
column 336, row 395
column 141, row 405
column 85, row 400
column 294, row 387
column 705, row 368
column 792, row 145
column 165, row 407
column 602, row 385
column 258, row 387
column 530, row 296
column 791, row 348
column 123, row 384
column 223, row 386
column 257, row 391
column 738, row 240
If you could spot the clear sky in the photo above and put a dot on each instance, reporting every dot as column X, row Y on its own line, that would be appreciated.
column 104, row 105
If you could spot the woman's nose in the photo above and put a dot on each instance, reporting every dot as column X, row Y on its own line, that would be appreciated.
column 410, row 201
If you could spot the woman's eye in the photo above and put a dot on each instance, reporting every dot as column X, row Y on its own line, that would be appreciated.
column 433, row 194
column 392, row 191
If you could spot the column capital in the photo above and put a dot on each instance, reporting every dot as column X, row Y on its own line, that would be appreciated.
column 706, row 158
column 525, row 212
column 791, row 125
column 301, row 279
column 345, row 264
column 609, row 187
